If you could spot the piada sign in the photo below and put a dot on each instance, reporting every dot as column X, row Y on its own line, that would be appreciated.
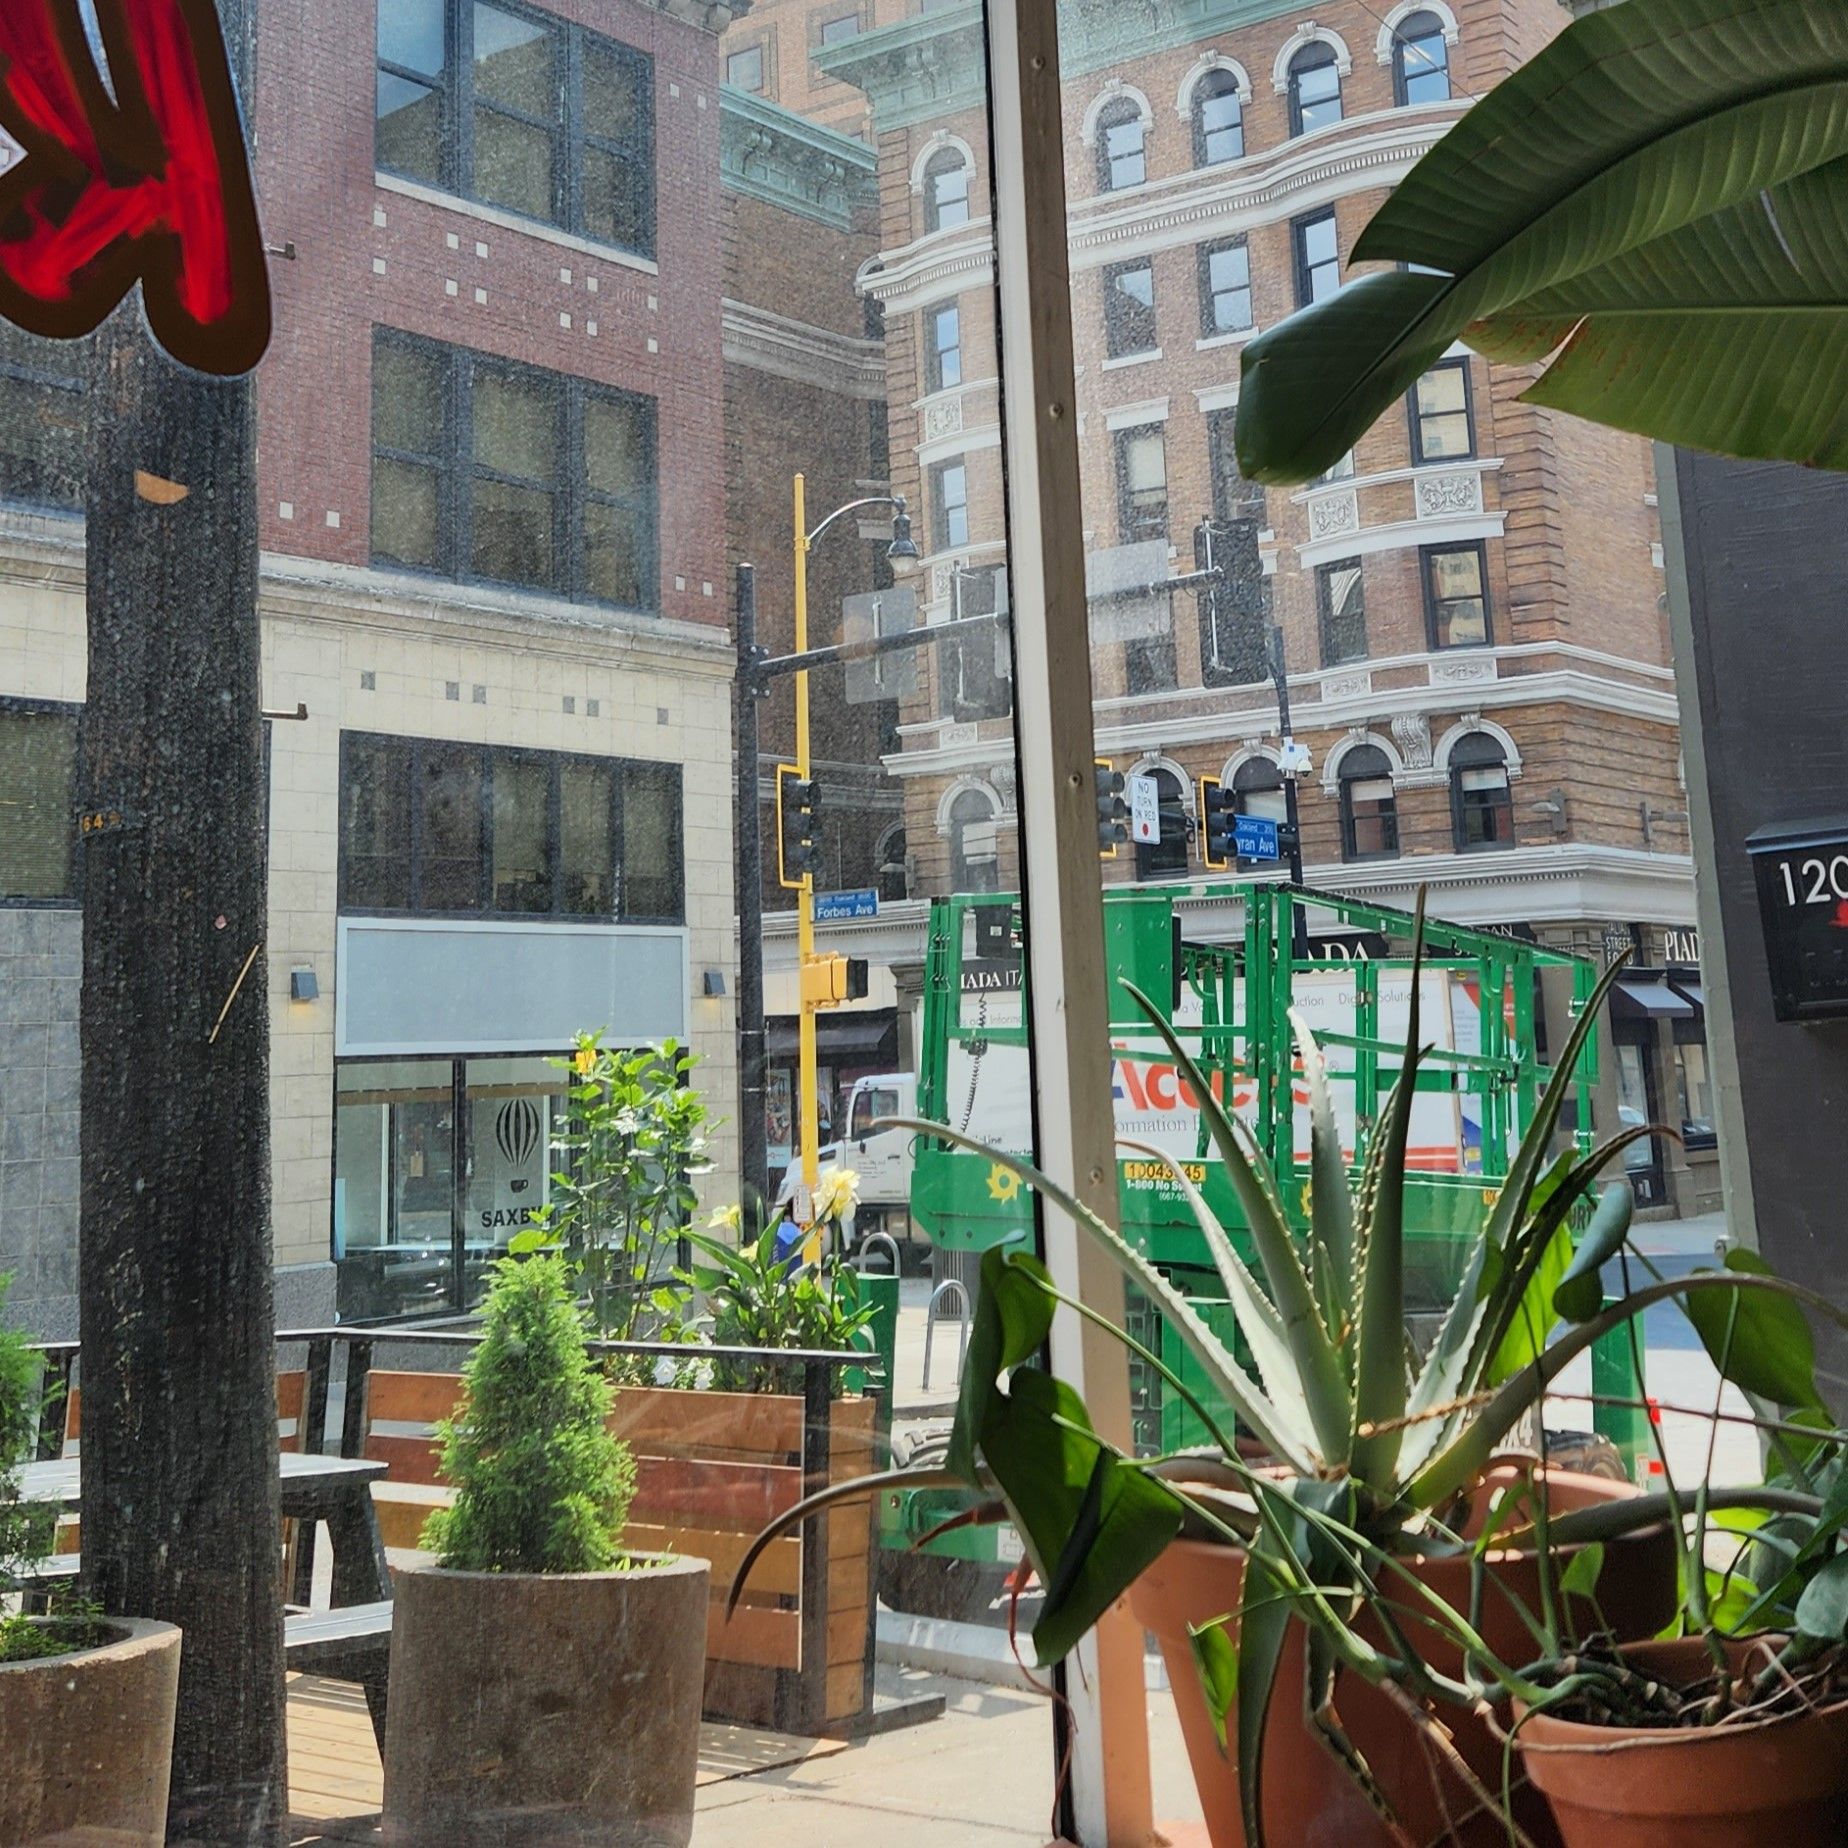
column 151, row 185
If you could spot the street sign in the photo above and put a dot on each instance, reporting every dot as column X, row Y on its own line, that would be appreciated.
column 833, row 907
column 1144, row 795
column 866, row 618
column 1255, row 838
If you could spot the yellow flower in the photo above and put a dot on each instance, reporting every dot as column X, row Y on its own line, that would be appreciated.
column 726, row 1219
column 585, row 1060
column 836, row 1194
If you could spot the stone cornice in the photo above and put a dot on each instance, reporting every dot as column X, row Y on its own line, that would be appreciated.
column 712, row 16
column 818, row 356
column 772, row 154
column 931, row 64
column 38, row 550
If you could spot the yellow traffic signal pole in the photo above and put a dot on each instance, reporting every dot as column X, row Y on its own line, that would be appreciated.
column 808, row 1077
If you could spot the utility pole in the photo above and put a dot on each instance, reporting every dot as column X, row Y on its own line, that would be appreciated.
column 807, row 1081
column 1280, row 676
column 181, row 1517
column 754, row 1154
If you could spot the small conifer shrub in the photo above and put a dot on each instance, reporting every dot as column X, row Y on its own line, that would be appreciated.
column 541, row 1483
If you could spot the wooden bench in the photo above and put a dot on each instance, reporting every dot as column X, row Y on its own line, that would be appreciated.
column 711, row 1469
column 352, row 1643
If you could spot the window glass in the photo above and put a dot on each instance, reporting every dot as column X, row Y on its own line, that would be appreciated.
column 522, row 832
column 1482, row 805
column 1120, row 148
column 976, row 669
column 1257, row 789
column 1455, row 596
column 946, row 179
column 1142, row 473
column 1318, row 258
column 1421, row 60
column 1694, row 1082
column 945, row 349
column 42, row 418
column 586, row 840
column 1225, row 288
column 1315, row 89
column 1440, row 414
column 1219, row 122
column 1129, row 308
column 1369, row 811
column 652, row 828
column 974, row 844
column 840, row 29
column 375, row 824
column 950, row 505
column 744, row 69
column 38, row 757
column 450, row 827
column 537, row 117
column 1341, row 598
column 1168, row 857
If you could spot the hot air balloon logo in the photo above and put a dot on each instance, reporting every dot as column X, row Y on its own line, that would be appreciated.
column 516, row 1134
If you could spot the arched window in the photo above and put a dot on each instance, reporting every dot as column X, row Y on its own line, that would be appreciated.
column 1218, row 119
column 946, row 190
column 893, row 869
column 1420, row 60
column 1166, row 858
column 1481, row 803
column 1315, row 88
column 1369, row 811
column 1121, row 147
column 975, row 844
column 1257, row 789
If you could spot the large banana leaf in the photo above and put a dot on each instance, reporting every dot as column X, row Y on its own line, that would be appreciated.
column 1649, row 174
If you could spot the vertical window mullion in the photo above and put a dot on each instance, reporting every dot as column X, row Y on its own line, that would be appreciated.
column 484, row 832
column 568, row 85
column 413, row 794
column 555, row 831
column 619, row 906
column 568, row 511
column 461, row 32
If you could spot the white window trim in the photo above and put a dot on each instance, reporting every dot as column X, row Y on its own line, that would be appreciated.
column 1135, row 416
column 938, row 142
column 1209, row 61
column 1465, row 727
column 1308, row 33
column 1389, row 26
column 1116, row 91
column 512, row 221
column 1129, row 359
column 1331, row 763
column 1237, row 337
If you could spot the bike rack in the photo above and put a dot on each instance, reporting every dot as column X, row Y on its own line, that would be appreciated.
column 949, row 1286
column 866, row 1245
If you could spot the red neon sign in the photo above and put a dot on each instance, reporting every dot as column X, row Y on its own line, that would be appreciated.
column 152, row 186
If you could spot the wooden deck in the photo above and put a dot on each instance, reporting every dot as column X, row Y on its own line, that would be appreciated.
column 337, row 1785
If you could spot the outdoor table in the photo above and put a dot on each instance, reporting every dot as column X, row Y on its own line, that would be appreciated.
column 337, row 1490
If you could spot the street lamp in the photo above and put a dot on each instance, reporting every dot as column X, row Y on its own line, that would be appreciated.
column 902, row 546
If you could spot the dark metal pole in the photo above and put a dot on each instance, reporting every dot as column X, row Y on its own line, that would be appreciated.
column 754, row 1157
column 1299, row 925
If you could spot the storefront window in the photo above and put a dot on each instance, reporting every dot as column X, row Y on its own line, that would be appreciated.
column 1694, row 1083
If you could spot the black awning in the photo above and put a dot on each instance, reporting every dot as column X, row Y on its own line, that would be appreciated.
column 844, row 1036
column 1644, row 1000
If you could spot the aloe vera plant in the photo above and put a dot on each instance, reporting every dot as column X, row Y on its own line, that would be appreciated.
column 1372, row 1451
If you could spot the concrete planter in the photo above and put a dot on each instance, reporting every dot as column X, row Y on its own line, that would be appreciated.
column 86, row 1741
column 531, row 1710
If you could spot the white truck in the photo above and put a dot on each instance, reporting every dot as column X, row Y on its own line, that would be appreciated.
column 883, row 1159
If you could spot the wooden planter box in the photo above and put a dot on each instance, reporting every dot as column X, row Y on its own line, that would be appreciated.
column 712, row 1468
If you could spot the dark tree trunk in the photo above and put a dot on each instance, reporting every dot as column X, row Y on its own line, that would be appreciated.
column 180, row 1500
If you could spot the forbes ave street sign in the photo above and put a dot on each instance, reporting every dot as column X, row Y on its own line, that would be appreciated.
column 1255, row 838
column 835, row 906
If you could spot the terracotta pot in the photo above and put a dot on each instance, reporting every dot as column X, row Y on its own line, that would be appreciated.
column 1781, row 1782
column 1309, row 1801
column 86, row 1741
column 530, row 1710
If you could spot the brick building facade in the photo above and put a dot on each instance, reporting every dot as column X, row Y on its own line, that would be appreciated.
column 1471, row 607
column 492, row 496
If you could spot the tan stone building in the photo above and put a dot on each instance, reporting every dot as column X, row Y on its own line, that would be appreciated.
column 1471, row 606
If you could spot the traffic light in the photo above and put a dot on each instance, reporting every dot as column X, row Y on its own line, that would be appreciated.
column 829, row 979
column 798, row 830
column 1218, row 817
column 1112, row 810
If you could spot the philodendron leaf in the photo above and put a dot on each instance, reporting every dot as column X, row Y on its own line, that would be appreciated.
column 1822, row 1611
column 1580, row 1294
column 1013, row 1313
column 1091, row 1519
column 1634, row 122
column 1215, row 1657
column 1771, row 1353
